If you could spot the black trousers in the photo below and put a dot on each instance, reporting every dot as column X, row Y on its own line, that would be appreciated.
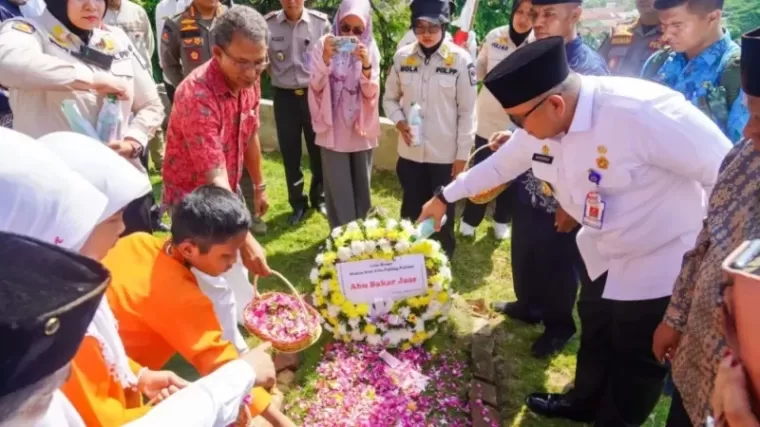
column 544, row 268
column 419, row 181
column 473, row 214
column 617, row 376
column 292, row 119
column 170, row 91
column 677, row 416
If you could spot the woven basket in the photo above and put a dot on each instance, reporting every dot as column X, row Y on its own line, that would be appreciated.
column 282, row 346
column 488, row 195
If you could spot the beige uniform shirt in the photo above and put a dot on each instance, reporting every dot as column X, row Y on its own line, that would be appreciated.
column 133, row 20
column 497, row 46
column 38, row 63
column 289, row 45
column 445, row 88
column 185, row 43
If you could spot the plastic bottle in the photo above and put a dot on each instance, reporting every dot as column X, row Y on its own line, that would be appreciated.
column 427, row 227
column 415, row 124
column 109, row 120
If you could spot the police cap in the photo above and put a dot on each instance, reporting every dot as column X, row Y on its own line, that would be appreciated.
column 434, row 11
column 529, row 72
column 750, row 62
column 48, row 296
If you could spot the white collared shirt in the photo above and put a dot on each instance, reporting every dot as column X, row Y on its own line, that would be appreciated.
column 662, row 156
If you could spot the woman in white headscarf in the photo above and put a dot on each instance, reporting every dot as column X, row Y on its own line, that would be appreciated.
column 105, row 386
column 44, row 199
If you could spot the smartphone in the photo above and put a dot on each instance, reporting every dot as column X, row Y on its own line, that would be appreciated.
column 345, row 44
column 743, row 270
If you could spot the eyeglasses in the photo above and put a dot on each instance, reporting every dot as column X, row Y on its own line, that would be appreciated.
column 519, row 121
column 246, row 65
column 430, row 29
column 347, row 29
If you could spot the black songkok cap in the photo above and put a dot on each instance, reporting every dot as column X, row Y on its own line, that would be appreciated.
column 750, row 64
column 48, row 296
column 550, row 2
column 435, row 11
column 528, row 72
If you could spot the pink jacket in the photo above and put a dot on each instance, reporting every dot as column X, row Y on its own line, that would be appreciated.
column 331, row 128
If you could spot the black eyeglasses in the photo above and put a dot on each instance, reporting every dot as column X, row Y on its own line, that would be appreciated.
column 520, row 120
column 246, row 65
column 431, row 29
column 347, row 29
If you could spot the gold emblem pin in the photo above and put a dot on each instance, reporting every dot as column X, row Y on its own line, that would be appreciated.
column 52, row 326
column 546, row 189
column 280, row 56
column 602, row 162
column 601, row 149
column 545, row 150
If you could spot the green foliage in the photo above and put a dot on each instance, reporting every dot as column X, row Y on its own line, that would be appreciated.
column 741, row 16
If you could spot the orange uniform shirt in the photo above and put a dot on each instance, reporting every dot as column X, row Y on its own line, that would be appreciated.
column 100, row 400
column 162, row 311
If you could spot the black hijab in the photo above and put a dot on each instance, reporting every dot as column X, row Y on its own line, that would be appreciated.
column 517, row 38
column 58, row 8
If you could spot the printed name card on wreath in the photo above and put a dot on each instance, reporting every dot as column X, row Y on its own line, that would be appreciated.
column 377, row 281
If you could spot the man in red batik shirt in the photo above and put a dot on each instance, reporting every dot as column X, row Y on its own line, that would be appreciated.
column 213, row 130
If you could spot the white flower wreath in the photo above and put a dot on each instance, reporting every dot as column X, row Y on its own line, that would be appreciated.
column 402, row 323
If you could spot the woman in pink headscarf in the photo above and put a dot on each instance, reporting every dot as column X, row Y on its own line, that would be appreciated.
column 343, row 100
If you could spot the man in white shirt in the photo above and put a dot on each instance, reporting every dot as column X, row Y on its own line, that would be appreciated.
column 631, row 161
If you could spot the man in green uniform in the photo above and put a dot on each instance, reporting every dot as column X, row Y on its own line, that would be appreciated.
column 630, row 44
column 293, row 30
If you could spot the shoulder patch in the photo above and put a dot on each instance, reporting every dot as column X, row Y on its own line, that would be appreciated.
column 24, row 27
column 318, row 14
column 473, row 74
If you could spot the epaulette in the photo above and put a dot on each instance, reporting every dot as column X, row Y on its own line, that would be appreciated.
column 271, row 14
column 22, row 25
column 318, row 14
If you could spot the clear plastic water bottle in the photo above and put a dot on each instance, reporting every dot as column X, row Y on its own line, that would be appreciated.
column 109, row 120
column 415, row 124
column 427, row 227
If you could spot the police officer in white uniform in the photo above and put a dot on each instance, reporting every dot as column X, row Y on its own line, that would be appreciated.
column 632, row 162
column 67, row 54
column 440, row 77
column 499, row 43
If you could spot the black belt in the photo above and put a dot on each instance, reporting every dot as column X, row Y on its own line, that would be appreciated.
column 301, row 91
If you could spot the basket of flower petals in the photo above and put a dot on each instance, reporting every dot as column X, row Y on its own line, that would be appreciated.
column 487, row 196
column 285, row 320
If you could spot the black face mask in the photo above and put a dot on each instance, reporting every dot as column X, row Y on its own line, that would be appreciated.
column 58, row 8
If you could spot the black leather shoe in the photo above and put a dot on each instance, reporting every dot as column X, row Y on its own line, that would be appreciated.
column 554, row 405
column 517, row 311
column 296, row 216
column 548, row 344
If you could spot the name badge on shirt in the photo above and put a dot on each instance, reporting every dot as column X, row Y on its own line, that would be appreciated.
column 593, row 212
column 543, row 158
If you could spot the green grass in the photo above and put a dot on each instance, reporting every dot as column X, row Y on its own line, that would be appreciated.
column 481, row 268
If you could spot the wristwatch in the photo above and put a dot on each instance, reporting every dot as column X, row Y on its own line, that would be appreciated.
column 439, row 195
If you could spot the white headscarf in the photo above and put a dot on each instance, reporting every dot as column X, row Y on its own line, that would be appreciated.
column 41, row 197
column 121, row 183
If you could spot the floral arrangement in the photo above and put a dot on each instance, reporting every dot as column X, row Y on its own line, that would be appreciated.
column 402, row 323
column 357, row 388
column 280, row 318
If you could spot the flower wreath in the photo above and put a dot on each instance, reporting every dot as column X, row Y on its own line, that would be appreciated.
column 401, row 323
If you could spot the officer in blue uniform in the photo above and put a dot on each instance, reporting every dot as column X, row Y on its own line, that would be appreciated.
column 546, row 263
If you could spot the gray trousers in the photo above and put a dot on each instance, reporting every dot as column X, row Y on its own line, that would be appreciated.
column 347, row 185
